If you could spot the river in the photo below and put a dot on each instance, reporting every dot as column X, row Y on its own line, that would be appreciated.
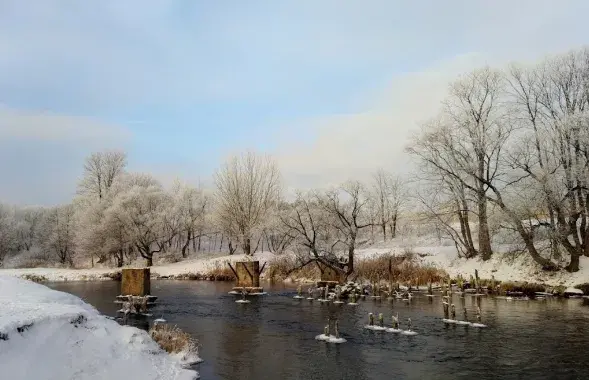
column 273, row 337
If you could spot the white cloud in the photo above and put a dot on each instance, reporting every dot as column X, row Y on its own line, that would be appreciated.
column 43, row 125
column 42, row 154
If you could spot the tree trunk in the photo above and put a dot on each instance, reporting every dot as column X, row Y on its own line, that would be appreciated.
column 394, row 225
column 186, row 245
column 574, row 264
column 484, row 236
column 383, row 226
column 247, row 247
column 149, row 261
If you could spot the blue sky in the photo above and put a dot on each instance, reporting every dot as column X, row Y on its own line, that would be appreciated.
column 331, row 88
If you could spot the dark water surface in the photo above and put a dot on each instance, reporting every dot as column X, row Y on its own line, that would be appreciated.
column 274, row 336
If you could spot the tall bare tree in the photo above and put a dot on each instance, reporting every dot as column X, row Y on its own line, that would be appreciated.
column 100, row 171
column 347, row 208
column 388, row 196
column 467, row 141
column 248, row 187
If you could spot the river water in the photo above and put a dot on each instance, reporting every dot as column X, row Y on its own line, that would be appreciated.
column 273, row 337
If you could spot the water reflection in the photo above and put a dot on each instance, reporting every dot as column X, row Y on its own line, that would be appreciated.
column 273, row 337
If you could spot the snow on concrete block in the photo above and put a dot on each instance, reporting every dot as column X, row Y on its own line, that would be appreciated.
column 135, row 282
column 574, row 291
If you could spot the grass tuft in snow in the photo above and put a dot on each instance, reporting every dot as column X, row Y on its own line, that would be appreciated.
column 35, row 278
column 173, row 340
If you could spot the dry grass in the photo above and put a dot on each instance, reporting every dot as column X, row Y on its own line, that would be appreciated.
column 173, row 340
column 373, row 269
column 404, row 270
column 215, row 272
column 281, row 267
column 527, row 288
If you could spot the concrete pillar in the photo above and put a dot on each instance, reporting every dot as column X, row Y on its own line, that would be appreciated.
column 135, row 282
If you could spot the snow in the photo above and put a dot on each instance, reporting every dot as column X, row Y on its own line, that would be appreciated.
column 68, row 339
column 198, row 265
column 573, row 291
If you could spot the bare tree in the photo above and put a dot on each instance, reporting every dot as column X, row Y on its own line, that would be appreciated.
column 467, row 141
column 311, row 228
column 346, row 206
column 8, row 238
column 248, row 187
column 140, row 210
column 59, row 231
column 550, row 103
column 100, row 171
column 191, row 205
column 388, row 196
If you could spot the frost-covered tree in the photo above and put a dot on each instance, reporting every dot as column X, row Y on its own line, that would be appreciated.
column 140, row 212
column 8, row 238
column 465, row 143
column 347, row 209
column 549, row 104
column 101, row 169
column 387, row 196
column 59, row 233
column 191, row 205
column 28, row 221
column 248, row 187
column 311, row 228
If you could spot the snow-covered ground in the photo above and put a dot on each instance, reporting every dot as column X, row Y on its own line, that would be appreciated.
column 201, row 265
column 51, row 335
column 504, row 266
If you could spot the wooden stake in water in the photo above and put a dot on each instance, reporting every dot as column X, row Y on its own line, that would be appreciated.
column 370, row 319
column 336, row 327
column 380, row 320
column 396, row 321
column 453, row 312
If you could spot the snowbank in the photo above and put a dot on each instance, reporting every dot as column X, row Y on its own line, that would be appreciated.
column 46, row 334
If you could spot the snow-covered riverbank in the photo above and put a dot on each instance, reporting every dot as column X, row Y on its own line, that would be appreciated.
column 199, row 265
column 504, row 267
column 46, row 334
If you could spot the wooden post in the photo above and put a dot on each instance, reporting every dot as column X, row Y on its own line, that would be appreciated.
column 135, row 282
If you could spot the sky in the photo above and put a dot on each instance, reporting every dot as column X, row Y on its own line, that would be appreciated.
column 332, row 89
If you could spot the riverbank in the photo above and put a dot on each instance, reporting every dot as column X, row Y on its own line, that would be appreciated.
column 503, row 266
column 67, row 338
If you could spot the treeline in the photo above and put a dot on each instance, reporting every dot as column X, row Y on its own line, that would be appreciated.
column 119, row 216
